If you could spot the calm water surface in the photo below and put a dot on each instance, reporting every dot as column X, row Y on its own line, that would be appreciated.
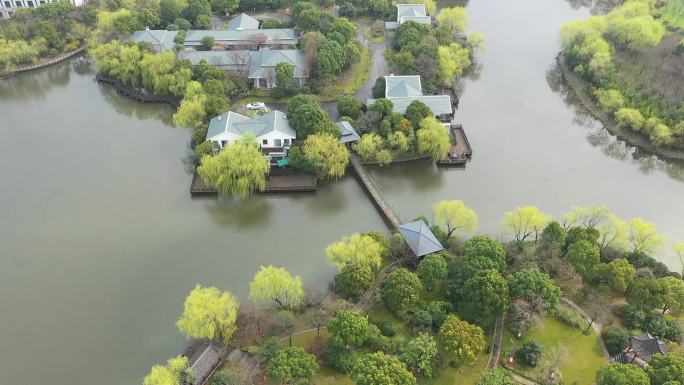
column 100, row 242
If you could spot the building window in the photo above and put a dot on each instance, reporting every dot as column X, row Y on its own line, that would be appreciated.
column 287, row 142
column 264, row 142
column 278, row 143
column 17, row 4
column 8, row 4
column 224, row 143
column 30, row 4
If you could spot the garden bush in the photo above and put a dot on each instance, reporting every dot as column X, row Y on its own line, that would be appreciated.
column 529, row 353
column 388, row 329
column 616, row 339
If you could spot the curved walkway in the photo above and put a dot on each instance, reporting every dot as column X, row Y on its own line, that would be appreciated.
column 597, row 326
column 379, row 66
column 44, row 64
column 496, row 343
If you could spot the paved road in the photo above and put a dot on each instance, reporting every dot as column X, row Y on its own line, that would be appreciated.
column 496, row 343
column 379, row 66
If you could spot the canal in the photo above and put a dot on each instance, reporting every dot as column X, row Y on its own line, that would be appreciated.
column 100, row 241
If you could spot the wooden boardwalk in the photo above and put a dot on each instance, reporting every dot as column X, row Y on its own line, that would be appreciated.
column 389, row 214
column 460, row 151
column 292, row 182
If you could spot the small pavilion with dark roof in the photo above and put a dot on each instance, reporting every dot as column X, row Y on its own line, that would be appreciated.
column 641, row 349
column 420, row 238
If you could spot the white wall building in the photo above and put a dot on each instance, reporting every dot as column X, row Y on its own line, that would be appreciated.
column 9, row 6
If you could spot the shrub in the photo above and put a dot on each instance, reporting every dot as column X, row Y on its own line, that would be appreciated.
column 268, row 349
column 421, row 320
column 529, row 353
column 389, row 329
column 661, row 328
column 616, row 339
column 354, row 279
column 570, row 317
column 379, row 88
column 439, row 310
column 631, row 317
column 337, row 356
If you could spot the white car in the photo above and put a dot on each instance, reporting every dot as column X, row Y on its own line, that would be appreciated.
column 257, row 106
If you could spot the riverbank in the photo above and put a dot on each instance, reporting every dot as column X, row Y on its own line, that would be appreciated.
column 579, row 87
column 46, row 62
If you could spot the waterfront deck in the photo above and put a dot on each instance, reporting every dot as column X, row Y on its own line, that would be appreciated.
column 279, row 183
column 389, row 214
column 460, row 151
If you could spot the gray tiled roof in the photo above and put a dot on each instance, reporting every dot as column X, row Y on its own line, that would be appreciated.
column 420, row 238
column 258, row 125
column 160, row 38
column 262, row 63
column 402, row 86
column 270, row 36
column 439, row 104
column 243, row 22
column 404, row 10
column 347, row 132
column 205, row 357
column 646, row 345
column 217, row 58
column 417, row 19
column 402, row 90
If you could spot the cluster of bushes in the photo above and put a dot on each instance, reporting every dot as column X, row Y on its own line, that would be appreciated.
column 46, row 30
column 439, row 54
column 591, row 46
column 636, row 319
column 664, row 369
column 380, row 9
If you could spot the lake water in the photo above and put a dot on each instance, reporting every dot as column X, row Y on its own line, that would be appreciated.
column 100, row 241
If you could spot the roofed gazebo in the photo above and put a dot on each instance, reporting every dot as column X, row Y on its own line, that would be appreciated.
column 420, row 238
column 641, row 349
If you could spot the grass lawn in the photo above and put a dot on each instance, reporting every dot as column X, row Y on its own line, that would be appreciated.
column 466, row 375
column 673, row 13
column 351, row 80
column 326, row 375
column 584, row 352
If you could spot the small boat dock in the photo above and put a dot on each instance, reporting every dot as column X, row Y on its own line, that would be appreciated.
column 279, row 181
column 460, row 152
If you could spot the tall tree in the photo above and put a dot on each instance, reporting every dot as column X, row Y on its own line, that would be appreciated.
column 621, row 374
column 293, row 365
column 327, row 156
column 432, row 269
column 209, row 314
column 454, row 59
column 678, row 248
column 674, row 295
column 666, row 369
column 351, row 327
column 523, row 222
column 646, row 294
column 585, row 257
column 358, row 249
column 416, row 111
column 433, row 138
column 453, row 216
column 644, row 237
column 529, row 283
column 454, row 19
column 488, row 247
column 307, row 117
column 613, row 233
column 459, row 341
column 420, row 353
column 238, row 169
column 401, row 291
column 483, row 298
column 616, row 275
column 381, row 369
column 587, row 216
column 272, row 284
column 175, row 372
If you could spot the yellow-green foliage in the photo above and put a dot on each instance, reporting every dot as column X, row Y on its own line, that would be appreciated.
column 359, row 249
column 609, row 100
column 454, row 19
column 238, row 169
column 209, row 314
column 15, row 52
column 629, row 118
column 326, row 155
column 673, row 13
column 644, row 237
column 460, row 341
column 272, row 284
column 368, row 146
column 175, row 372
column 398, row 141
column 454, row 215
column 433, row 138
column 453, row 60
column 524, row 221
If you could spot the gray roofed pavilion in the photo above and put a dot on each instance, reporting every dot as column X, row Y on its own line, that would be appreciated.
column 402, row 90
column 231, row 37
column 243, row 22
column 262, row 63
column 203, row 358
column 409, row 12
column 232, row 60
column 347, row 132
column 420, row 238
column 237, row 124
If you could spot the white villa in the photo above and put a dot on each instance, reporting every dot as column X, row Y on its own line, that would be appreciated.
column 402, row 90
column 9, row 6
column 409, row 12
column 272, row 130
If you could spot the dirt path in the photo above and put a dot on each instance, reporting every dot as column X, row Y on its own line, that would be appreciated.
column 597, row 325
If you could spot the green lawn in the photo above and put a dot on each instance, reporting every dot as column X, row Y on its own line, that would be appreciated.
column 584, row 352
column 327, row 375
column 673, row 13
column 466, row 375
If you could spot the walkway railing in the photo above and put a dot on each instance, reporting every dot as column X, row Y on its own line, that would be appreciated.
column 389, row 214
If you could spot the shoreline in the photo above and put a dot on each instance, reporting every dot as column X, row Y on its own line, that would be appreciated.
column 578, row 86
column 40, row 65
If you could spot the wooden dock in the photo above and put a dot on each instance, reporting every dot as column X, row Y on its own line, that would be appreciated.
column 389, row 214
column 281, row 183
column 460, row 152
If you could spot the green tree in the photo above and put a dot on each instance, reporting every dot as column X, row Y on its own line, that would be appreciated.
column 585, row 257
column 307, row 117
column 327, row 156
column 420, row 353
column 495, row 377
column 646, row 294
column 285, row 81
column 195, row 9
column 616, row 339
column 433, row 138
column 674, row 295
column 523, row 222
column 553, row 235
column 609, row 100
column 484, row 297
column 644, row 237
column 381, row 369
column 401, row 291
column 170, row 10
column 484, row 246
column 350, row 106
column 453, row 216
column 398, row 141
column 432, row 269
column 459, row 341
column 630, row 118
column 416, row 112
column 383, row 107
column 277, row 285
column 293, row 365
column 454, row 19
column 528, row 283
column 175, row 372
column 351, row 327
column 621, row 374
column 225, row 6
column 330, row 60
column 358, row 249
column 238, row 169
column 666, row 368
column 207, row 42
column 209, row 314
column 379, row 88
column 368, row 146
column 354, row 279
column 114, row 25
column 454, row 59
column 616, row 275
column 529, row 353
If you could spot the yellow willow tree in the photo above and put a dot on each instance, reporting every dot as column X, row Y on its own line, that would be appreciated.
column 522, row 222
column 454, row 19
column 644, row 237
column 175, row 372
column 237, row 170
column 613, row 233
column 433, row 138
column 454, row 216
column 454, row 59
column 209, row 314
column 272, row 284
column 357, row 249
column 678, row 249
column 587, row 216
column 326, row 155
